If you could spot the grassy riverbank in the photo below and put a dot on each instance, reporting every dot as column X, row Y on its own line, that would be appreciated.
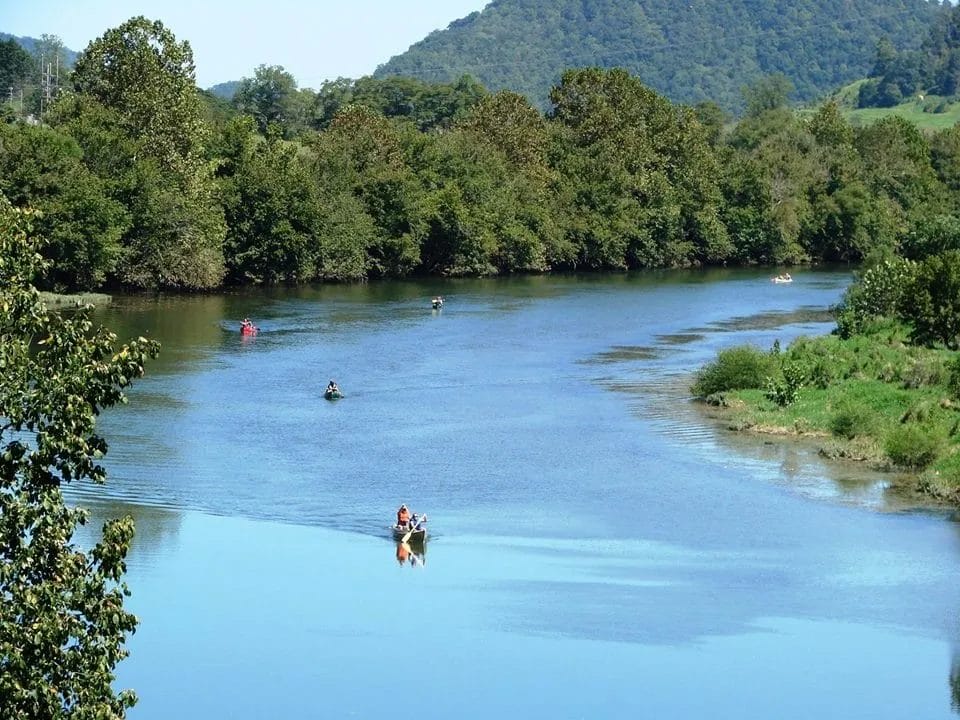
column 56, row 300
column 871, row 398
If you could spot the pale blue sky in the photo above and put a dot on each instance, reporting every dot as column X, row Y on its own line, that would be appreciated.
column 315, row 41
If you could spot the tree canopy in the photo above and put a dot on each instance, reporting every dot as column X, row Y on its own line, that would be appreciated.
column 62, row 621
column 690, row 52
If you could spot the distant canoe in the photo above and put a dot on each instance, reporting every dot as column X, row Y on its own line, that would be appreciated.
column 248, row 330
column 417, row 536
column 437, row 303
column 781, row 280
column 332, row 394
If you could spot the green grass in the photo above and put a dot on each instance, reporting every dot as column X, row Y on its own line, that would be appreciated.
column 870, row 397
column 58, row 300
column 912, row 110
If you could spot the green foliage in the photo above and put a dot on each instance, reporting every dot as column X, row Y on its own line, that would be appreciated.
column 429, row 105
column 43, row 169
column 876, row 293
column 62, row 621
column 17, row 67
column 689, row 53
column 736, row 368
column 932, row 235
column 768, row 93
column 932, row 301
column 784, row 389
column 953, row 381
column 272, row 209
column 643, row 180
column 933, row 69
column 142, row 78
column 912, row 445
column 271, row 97
column 852, row 419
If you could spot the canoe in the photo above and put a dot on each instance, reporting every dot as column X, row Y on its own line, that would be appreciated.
column 781, row 280
column 332, row 394
column 245, row 330
column 437, row 304
column 417, row 536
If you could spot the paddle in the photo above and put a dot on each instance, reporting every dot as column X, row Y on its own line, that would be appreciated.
column 409, row 533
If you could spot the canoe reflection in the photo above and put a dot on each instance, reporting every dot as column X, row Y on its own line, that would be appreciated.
column 414, row 554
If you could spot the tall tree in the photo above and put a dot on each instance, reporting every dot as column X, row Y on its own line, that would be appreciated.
column 62, row 620
column 43, row 169
column 146, row 78
column 271, row 96
column 17, row 70
column 272, row 209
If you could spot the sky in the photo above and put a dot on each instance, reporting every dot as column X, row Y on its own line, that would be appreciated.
column 314, row 41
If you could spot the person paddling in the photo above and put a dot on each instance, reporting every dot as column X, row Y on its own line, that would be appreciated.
column 403, row 517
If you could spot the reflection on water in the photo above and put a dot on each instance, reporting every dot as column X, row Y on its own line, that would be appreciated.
column 602, row 543
column 412, row 554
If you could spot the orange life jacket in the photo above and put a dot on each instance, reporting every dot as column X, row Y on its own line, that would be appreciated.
column 403, row 516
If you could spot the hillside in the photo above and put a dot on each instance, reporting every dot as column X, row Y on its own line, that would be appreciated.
column 30, row 45
column 691, row 51
column 225, row 90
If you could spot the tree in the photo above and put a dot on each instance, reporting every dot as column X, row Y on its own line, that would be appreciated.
column 363, row 154
column 144, row 77
column 931, row 304
column 271, row 207
column 16, row 69
column 42, row 168
column 271, row 96
column 642, row 178
column 62, row 621
column 767, row 93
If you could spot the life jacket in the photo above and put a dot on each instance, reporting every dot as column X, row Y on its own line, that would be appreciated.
column 403, row 516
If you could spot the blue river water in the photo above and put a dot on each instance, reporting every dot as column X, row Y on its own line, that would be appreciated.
column 598, row 549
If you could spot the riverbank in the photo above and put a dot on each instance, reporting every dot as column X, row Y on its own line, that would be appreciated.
column 56, row 300
column 869, row 399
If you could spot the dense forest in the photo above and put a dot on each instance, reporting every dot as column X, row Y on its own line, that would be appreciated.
column 141, row 180
column 933, row 69
column 702, row 50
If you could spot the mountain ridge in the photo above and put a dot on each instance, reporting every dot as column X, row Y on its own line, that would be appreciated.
column 693, row 51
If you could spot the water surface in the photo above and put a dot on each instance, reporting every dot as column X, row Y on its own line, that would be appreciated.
column 598, row 549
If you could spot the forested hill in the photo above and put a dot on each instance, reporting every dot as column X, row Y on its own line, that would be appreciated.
column 36, row 46
column 691, row 51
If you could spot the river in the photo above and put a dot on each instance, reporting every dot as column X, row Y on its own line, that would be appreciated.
column 597, row 549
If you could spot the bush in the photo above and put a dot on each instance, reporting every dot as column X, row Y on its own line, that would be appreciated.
column 953, row 383
column 785, row 389
column 932, row 305
column 877, row 293
column 924, row 371
column 912, row 446
column 738, row 368
column 851, row 420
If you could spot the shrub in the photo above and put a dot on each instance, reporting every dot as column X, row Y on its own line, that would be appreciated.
column 953, row 382
column 932, row 305
column 931, row 236
column 877, row 293
column 785, row 389
column 851, row 420
column 912, row 446
column 738, row 368
column 924, row 371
